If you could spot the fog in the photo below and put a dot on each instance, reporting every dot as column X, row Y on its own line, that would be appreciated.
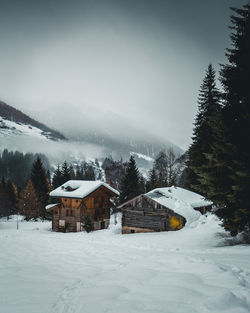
column 123, row 68
column 56, row 151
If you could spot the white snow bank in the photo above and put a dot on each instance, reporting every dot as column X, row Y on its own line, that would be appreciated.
column 104, row 271
column 79, row 189
column 115, row 225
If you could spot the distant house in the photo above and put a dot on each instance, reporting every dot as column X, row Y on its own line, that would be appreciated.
column 76, row 198
column 162, row 209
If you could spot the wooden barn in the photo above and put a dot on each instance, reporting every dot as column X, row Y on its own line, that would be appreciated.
column 162, row 209
column 75, row 199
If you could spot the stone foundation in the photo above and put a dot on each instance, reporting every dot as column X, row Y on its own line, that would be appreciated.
column 131, row 230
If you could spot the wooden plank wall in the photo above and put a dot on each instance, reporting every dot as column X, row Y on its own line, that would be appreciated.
column 146, row 213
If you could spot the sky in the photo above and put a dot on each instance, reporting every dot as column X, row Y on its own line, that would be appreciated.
column 122, row 67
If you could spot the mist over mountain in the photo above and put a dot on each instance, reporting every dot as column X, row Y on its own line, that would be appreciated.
column 79, row 136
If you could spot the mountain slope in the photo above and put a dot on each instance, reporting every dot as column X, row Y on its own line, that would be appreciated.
column 15, row 121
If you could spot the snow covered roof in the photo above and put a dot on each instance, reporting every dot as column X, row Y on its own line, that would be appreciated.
column 79, row 189
column 179, row 200
column 50, row 206
column 177, row 193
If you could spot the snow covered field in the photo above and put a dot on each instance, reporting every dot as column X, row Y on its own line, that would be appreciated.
column 170, row 272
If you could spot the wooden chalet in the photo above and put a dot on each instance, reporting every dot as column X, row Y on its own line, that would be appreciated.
column 162, row 209
column 75, row 199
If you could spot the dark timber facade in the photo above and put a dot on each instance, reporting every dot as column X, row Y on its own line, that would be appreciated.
column 143, row 214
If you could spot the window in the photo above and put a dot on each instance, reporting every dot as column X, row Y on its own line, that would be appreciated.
column 132, row 231
column 76, row 201
column 61, row 223
column 55, row 212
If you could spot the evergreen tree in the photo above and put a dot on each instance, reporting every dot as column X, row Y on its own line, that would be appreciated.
column 16, row 166
column 199, row 166
column 130, row 186
column 6, row 205
column 142, row 185
column 87, row 223
column 152, row 183
column 65, row 172
column 40, row 183
column 48, row 176
column 79, row 172
column 29, row 204
column 232, row 155
column 89, row 173
column 107, row 162
column 12, row 194
column 72, row 172
column 57, row 179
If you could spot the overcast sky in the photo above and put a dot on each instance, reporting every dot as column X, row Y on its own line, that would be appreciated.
column 122, row 66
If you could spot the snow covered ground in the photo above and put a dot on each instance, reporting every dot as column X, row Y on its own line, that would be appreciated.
column 170, row 272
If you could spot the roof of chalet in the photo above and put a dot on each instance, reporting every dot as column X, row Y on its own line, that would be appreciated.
column 181, row 194
column 50, row 206
column 180, row 200
column 79, row 189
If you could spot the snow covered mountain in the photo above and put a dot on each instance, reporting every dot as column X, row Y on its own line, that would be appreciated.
column 15, row 122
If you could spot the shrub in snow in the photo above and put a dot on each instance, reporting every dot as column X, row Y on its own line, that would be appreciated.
column 87, row 223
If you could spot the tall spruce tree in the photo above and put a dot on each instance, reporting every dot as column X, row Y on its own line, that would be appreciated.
column 65, row 172
column 79, row 172
column 39, row 181
column 130, row 185
column 232, row 155
column 12, row 194
column 204, row 135
column 6, row 205
column 29, row 204
column 152, row 182
column 57, row 179
column 72, row 174
column 142, row 185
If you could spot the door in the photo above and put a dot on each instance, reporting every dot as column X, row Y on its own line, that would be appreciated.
column 102, row 224
column 78, row 226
